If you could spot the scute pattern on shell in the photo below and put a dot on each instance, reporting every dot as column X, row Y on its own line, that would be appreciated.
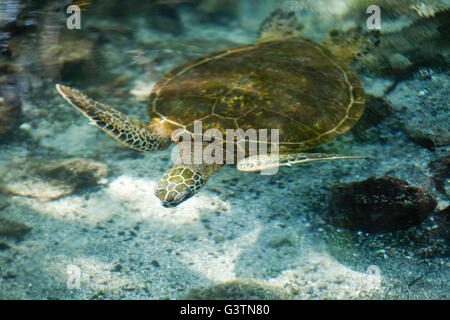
column 295, row 86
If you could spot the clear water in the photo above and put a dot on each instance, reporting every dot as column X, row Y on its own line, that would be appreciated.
column 78, row 217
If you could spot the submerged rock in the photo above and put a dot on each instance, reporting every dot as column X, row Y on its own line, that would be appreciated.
column 235, row 290
column 68, row 56
column 399, row 62
column 3, row 202
column 427, row 140
column 161, row 15
column 4, row 245
column 437, row 236
column 399, row 8
column 423, row 108
column 165, row 18
column 440, row 172
column 441, row 228
column 9, row 16
column 218, row 10
column 421, row 43
column 377, row 109
column 10, row 104
column 13, row 228
column 54, row 179
column 78, row 172
column 379, row 205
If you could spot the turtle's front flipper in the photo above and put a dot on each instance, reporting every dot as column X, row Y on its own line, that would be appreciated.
column 280, row 25
column 132, row 133
column 264, row 162
column 351, row 44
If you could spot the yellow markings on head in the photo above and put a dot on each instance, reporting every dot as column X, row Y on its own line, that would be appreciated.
column 177, row 185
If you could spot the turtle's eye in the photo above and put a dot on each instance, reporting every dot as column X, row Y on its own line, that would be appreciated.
column 182, row 196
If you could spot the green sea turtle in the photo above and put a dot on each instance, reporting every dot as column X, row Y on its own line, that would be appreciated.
column 282, row 81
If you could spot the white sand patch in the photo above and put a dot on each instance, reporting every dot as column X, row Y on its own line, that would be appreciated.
column 137, row 194
column 76, row 208
column 321, row 275
column 93, row 274
column 218, row 264
column 142, row 90
column 127, row 195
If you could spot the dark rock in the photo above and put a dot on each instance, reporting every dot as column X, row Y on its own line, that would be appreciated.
column 235, row 290
column 9, row 11
column 438, row 236
column 165, row 18
column 4, row 201
column 117, row 268
column 378, row 205
column 69, row 57
column 4, row 245
column 432, row 239
column 16, row 18
column 221, row 11
column 441, row 228
column 159, row 14
column 3, row 205
column 10, row 104
column 423, row 108
column 281, row 243
column 440, row 171
column 377, row 109
column 425, row 140
column 7, row 67
column 433, row 251
column 424, row 42
column 399, row 63
column 13, row 228
column 48, row 179
column 155, row 263
column 9, row 275
column 78, row 172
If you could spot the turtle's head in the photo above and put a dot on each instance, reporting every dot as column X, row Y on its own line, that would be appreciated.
column 177, row 185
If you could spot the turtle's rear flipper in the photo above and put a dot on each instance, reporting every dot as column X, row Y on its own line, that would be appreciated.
column 133, row 134
column 351, row 44
column 270, row 161
column 280, row 25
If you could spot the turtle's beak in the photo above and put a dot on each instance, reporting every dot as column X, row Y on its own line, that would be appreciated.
column 172, row 201
column 166, row 204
